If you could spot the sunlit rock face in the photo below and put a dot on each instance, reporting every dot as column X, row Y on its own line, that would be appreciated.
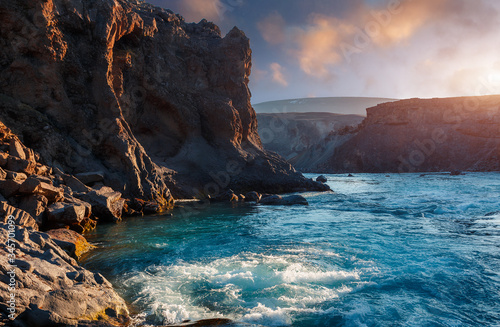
column 425, row 135
column 132, row 90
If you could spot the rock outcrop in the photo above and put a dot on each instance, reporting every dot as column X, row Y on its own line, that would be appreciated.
column 132, row 91
column 48, row 286
column 424, row 135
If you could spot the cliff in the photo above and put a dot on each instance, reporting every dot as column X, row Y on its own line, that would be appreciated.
column 424, row 135
column 159, row 106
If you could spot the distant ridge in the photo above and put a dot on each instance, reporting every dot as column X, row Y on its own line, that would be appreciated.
column 336, row 105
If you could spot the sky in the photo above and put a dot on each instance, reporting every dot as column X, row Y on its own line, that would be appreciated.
column 362, row 48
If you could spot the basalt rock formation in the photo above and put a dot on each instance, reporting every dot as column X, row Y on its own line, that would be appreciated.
column 159, row 106
column 424, row 135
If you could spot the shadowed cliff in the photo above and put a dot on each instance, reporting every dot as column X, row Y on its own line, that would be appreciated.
column 160, row 106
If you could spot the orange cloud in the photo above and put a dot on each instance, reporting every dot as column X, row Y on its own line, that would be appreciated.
column 272, row 28
column 277, row 74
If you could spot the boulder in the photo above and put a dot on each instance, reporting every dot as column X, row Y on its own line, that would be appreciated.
column 75, row 184
column 3, row 158
column 16, row 149
column 15, row 176
column 20, row 165
column 3, row 174
column 287, row 200
column 42, row 170
column 9, row 187
column 252, row 197
column 73, row 200
column 90, row 177
column 70, row 241
column 228, row 196
column 271, row 200
column 34, row 185
column 322, row 179
column 52, row 289
column 107, row 204
column 21, row 217
column 65, row 214
column 35, row 205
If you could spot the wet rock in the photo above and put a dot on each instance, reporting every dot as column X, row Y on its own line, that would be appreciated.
column 107, row 204
column 35, row 205
column 322, row 179
column 287, row 200
column 252, row 197
column 70, row 241
column 90, row 177
column 271, row 200
column 34, row 185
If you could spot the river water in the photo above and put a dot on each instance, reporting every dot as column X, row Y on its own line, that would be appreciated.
column 398, row 250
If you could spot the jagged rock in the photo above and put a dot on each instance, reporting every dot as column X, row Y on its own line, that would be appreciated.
column 9, row 188
column 16, row 176
column 51, row 289
column 35, row 205
column 107, row 204
column 322, row 179
column 16, row 149
column 90, row 177
column 21, row 218
column 34, row 185
column 65, row 214
column 252, row 197
column 20, row 165
column 70, row 241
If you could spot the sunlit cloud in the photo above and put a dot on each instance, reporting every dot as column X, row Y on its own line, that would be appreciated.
column 272, row 28
column 196, row 10
column 277, row 74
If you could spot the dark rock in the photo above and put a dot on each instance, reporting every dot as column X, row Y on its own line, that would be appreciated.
column 65, row 214
column 35, row 185
column 107, row 204
column 70, row 241
column 228, row 196
column 321, row 179
column 16, row 176
column 252, row 197
column 456, row 173
column 20, row 165
column 75, row 184
column 90, row 177
column 16, row 149
column 35, row 205
column 287, row 200
column 350, row 175
column 271, row 200
column 9, row 188
column 21, row 218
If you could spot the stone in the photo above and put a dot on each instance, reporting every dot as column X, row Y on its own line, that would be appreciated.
column 456, row 173
column 53, row 290
column 16, row 176
column 21, row 217
column 287, row 200
column 67, row 214
column 350, row 175
column 20, row 165
column 34, row 185
column 35, row 205
column 227, row 196
column 42, row 170
column 322, row 179
column 252, row 197
column 70, row 241
column 90, row 177
column 16, row 149
column 107, row 204
column 9, row 188
column 75, row 184
column 3, row 174
column 73, row 200
column 3, row 158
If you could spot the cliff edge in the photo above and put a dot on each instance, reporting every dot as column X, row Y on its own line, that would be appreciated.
column 160, row 106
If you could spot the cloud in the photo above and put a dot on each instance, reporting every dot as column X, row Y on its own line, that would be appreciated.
column 272, row 28
column 277, row 74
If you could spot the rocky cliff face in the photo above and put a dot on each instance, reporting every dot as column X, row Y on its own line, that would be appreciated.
column 428, row 135
column 129, row 89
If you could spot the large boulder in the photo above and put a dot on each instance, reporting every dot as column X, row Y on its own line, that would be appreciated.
column 51, row 289
column 9, row 187
column 19, row 217
column 70, row 241
column 284, row 201
column 107, row 204
column 35, row 205
column 34, row 185
column 65, row 214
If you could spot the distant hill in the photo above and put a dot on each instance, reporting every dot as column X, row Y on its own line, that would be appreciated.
column 336, row 105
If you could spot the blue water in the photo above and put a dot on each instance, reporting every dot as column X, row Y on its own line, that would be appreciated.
column 402, row 250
